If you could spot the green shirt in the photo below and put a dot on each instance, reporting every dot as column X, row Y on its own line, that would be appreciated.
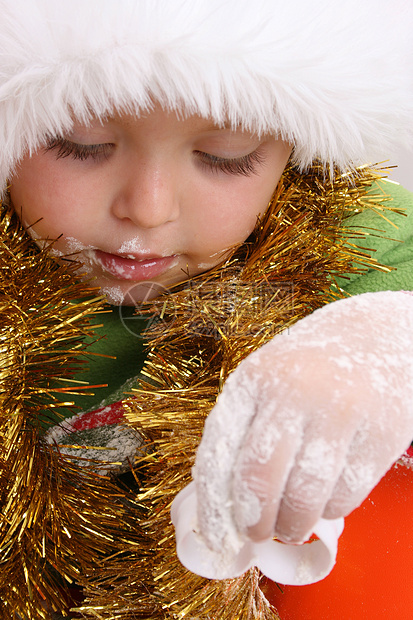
column 120, row 336
column 390, row 242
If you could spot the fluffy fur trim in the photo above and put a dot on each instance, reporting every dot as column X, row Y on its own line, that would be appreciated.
column 334, row 77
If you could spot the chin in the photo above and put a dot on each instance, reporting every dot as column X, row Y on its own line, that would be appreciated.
column 133, row 293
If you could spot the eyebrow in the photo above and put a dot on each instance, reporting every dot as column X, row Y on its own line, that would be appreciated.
column 213, row 127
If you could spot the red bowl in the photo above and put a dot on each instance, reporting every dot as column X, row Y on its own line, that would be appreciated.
column 373, row 575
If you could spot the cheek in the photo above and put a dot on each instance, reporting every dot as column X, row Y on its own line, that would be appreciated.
column 38, row 193
column 31, row 195
column 229, row 214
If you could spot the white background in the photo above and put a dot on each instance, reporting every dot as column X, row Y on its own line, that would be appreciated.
column 403, row 174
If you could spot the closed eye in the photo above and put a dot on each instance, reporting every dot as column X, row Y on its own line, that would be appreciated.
column 66, row 148
column 245, row 165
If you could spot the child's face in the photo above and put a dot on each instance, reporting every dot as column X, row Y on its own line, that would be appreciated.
column 145, row 202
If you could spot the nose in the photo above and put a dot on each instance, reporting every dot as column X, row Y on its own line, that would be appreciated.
column 147, row 196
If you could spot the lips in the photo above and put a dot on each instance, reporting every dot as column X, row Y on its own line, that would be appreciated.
column 135, row 269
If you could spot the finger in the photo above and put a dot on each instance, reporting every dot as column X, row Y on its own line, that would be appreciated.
column 364, row 469
column 262, row 468
column 258, row 486
column 215, row 462
column 309, row 487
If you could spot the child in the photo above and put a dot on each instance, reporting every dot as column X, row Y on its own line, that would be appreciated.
column 145, row 140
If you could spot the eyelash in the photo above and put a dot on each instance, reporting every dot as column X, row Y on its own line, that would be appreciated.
column 81, row 152
column 245, row 165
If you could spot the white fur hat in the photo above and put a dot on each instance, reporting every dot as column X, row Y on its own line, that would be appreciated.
column 334, row 77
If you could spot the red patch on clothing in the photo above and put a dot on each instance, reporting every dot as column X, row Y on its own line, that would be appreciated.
column 111, row 414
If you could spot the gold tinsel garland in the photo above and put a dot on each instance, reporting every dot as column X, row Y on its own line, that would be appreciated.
column 284, row 272
column 60, row 522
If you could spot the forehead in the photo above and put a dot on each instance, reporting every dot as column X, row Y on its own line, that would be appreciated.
column 156, row 113
column 157, row 122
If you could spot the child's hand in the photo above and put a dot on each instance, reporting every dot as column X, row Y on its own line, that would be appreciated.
column 306, row 426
